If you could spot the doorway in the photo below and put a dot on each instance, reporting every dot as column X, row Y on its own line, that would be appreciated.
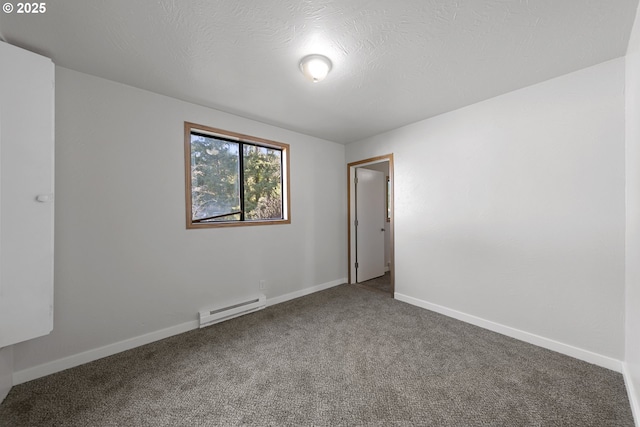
column 366, row 262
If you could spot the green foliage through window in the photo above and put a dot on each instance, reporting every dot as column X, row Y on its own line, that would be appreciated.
column 262, row 182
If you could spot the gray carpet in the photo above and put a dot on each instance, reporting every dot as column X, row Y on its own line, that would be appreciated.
column 382, row 283
column 345, row 356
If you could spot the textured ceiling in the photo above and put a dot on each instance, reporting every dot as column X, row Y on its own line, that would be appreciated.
column 394, row 61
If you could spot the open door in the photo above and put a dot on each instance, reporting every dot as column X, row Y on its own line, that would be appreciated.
column 384, row 220
column 370, row 222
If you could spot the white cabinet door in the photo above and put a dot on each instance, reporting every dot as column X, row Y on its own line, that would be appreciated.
column 26, row 194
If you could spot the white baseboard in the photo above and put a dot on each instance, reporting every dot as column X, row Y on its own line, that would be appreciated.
column 569, row 350
column 306, row 291
column 631, row 393
column 74, row 360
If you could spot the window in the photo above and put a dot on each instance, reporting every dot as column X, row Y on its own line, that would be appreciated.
column 234, row 179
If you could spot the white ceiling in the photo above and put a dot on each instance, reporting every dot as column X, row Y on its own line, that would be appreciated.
column 394, row 61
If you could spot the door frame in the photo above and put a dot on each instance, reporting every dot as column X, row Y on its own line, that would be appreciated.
column 351, row 200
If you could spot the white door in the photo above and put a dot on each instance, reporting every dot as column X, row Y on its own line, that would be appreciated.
column 26, row 196
column 370, row 217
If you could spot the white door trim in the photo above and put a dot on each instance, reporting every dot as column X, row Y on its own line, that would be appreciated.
column 351, row 167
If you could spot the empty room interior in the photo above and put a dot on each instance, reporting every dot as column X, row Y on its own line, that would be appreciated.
column 268, row 212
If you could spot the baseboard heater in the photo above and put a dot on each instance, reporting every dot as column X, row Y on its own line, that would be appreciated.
column 229, row 311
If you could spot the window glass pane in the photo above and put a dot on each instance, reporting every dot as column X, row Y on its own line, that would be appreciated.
column 215, row 179
column 262, row 182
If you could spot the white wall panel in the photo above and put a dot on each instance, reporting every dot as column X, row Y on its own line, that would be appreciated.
column 632, row 97
column 512, row 210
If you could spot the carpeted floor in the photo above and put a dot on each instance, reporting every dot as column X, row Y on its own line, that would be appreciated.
column 382, row 283
column 342, row 357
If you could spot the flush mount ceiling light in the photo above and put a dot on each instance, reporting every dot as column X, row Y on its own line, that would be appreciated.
column 315, row 67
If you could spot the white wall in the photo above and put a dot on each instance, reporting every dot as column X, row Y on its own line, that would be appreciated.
column 125, row 263
column 632, row 95
column 512, row 209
